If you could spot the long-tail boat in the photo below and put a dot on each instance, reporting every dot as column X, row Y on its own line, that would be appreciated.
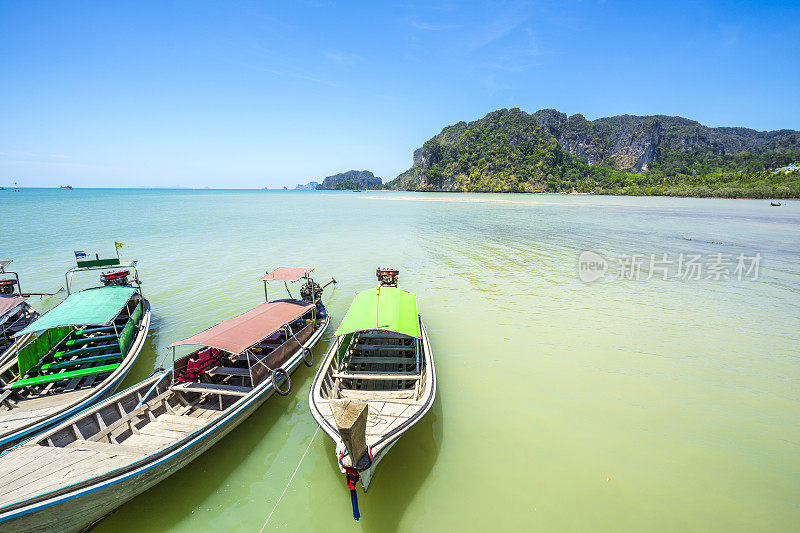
column 377, row 380
column 78, row 352
column 73, row 475
column 15, row 313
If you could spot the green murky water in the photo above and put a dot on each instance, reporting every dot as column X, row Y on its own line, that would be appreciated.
column 623, row 404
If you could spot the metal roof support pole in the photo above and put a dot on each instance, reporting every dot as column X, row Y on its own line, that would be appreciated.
column 68, row 277
column 250, row 362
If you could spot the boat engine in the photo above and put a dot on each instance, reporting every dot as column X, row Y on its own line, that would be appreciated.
column 387, row 276
column 7, row 286
column 119, row 278
column 311, row 291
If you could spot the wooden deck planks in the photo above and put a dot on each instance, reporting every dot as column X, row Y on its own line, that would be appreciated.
column 150, row 442
column 123, row 450
column 18, row 458
column 187, row 420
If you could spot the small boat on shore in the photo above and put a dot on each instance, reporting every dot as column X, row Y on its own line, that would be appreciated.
column 76, row 354
column 73, row 475
column 15, row 313
column 377, row 380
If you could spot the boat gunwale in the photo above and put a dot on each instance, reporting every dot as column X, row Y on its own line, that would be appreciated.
column 139, row 466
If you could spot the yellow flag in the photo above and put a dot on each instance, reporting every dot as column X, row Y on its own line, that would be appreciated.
column 119, row 245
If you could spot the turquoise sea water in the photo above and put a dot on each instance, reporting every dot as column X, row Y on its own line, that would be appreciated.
column 622, row 404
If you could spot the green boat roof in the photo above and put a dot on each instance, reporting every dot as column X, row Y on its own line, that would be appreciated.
column 385, row 308
column 90, row 307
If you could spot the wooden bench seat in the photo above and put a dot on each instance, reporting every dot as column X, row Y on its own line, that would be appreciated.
column 388, row 347
column 212, row 388
column 228, row 371
column 94, row 330
column 48, row 378
column 377, row 377
column 87, row 340
column 82, row 360
column 376, row 359
column 78, row 351
column 377, row 394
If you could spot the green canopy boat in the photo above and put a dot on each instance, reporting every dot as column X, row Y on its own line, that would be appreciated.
column 379, row 368
column 78, row 352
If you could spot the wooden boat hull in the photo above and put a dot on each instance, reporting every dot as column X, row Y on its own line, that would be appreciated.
column 78, row 506
column 81, row 402
column 385, row 442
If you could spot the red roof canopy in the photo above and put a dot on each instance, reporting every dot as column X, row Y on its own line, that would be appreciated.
column 237, row 334
column 287, row 274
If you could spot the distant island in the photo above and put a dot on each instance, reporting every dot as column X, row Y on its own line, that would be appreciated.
column 352, row 179
column 510, row 150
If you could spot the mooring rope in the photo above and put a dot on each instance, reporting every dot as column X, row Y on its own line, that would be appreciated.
column 290, row 480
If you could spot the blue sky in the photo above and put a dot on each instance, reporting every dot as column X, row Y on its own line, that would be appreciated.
column 254, row 94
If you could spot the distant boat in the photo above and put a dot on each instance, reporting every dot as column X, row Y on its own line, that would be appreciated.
column 775, row 204
column 69, row 187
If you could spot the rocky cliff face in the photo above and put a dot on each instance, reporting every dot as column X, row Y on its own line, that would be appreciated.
column 310, row 186
column 352, row 179
column 521, row 145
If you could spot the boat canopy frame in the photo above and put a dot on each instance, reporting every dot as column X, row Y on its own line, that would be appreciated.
column 286, row 274
column 136, row 283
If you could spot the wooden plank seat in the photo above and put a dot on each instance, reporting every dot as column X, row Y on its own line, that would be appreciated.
column 251, row 358
column 87, row 340
column 375, row 359
column 377, row 377
column 377, row 395
column 88, row 349
column 94, row 330
column 81, row 360
column 402, row 347
column 212, row 388
column 228, row 371
column 49, row 378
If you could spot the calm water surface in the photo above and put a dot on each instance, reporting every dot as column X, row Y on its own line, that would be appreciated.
column 619, row 405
